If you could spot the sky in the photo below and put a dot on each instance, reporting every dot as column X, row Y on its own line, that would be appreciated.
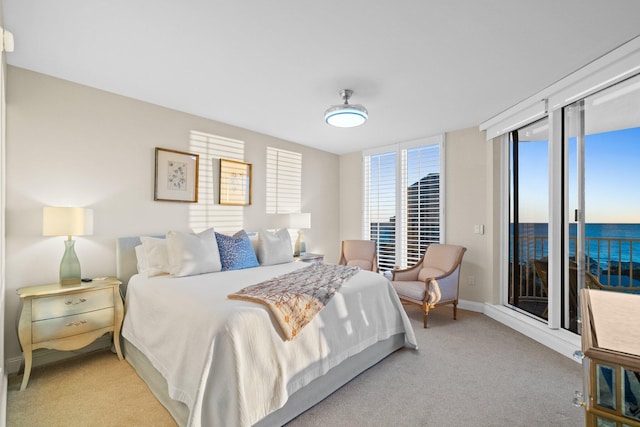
column 612, row 178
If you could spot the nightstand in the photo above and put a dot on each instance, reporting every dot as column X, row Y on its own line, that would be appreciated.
column 68, row 317
column 312, row 258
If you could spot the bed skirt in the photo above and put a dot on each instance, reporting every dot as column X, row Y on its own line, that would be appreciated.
column 298, row 402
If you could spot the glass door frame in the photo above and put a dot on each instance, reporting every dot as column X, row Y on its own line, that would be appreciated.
column 557, row 233
column 558, row 215
column 561, row 214
column 514, row 275
column 578, row 214
column 613, row 67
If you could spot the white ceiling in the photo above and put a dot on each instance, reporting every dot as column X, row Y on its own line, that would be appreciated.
column 419, row 67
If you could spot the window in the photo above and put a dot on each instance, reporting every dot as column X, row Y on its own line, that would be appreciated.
column 206, row 213
column 380, row 206
column 284, row 181
column 422, row 183
column 602, row 237
column 403, row 200
column 588, row 237
column 529, row 218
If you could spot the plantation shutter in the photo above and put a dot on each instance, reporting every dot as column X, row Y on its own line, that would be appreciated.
column 421, row 166
column 403, row 200
column 380, row 206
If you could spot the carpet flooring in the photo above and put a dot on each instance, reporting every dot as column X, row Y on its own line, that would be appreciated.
column 470, row 372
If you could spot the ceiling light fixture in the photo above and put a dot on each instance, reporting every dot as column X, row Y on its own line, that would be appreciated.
column 346, row 115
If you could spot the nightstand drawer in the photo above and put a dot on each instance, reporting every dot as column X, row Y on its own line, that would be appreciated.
column 65, row 305
column 61, row 327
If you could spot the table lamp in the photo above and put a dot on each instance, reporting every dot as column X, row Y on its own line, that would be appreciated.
column 300, row 221
column 57, row 221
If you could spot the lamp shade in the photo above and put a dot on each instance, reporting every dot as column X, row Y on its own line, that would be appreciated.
column 57, row 221
column 300, row 220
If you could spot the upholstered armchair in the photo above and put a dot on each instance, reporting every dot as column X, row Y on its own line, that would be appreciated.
column 361, row 253
column 433, row 280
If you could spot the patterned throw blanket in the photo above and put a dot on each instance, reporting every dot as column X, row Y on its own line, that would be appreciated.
column 295, row 298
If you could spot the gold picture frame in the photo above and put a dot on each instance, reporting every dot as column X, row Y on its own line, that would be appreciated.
column 176, row 177
column 235, row 183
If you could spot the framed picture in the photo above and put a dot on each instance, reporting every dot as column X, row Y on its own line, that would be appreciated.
column 176, row 176
column 235, row 183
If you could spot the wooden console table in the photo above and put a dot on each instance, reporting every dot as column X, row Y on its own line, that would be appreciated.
column 611, row 349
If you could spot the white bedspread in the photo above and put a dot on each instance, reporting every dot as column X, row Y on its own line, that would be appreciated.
column 225, row 359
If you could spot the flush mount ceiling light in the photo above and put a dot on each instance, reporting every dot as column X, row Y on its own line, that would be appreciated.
column 346, row 115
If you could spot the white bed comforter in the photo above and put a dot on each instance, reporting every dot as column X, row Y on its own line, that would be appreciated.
column 227, row 360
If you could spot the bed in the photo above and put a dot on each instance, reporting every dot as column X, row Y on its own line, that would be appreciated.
column 215, row 361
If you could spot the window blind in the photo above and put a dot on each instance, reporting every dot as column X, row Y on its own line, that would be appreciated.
column 402, row 208
column 206, row 213
column 421, row 167
column 283, row 181
column 380, row 206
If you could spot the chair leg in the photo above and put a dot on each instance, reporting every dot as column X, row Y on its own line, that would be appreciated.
column 424, row 315
column 455, row 310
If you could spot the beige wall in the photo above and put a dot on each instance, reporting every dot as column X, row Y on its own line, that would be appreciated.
column 70, row 145
column 73, row 145
column 467, row 202
column 351, row 196
column 470, row 175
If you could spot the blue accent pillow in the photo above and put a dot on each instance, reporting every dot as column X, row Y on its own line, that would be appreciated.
column 236, row 252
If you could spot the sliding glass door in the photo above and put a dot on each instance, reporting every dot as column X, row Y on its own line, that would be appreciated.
column 529, row 218
column 602, row 196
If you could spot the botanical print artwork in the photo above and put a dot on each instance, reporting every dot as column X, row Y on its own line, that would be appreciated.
column 176, row 176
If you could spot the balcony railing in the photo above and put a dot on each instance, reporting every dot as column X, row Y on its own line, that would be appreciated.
column 610, row 260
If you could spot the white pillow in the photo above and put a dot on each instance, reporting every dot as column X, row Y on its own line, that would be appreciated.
column 253, row 238
column 191, row 254
column 274, row 248
column 142, row 260
column 155, row 256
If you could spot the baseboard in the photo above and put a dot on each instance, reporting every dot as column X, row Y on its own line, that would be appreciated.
column 471, row 306
column 560, row 340
column 45, row 356
column 3, row 399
